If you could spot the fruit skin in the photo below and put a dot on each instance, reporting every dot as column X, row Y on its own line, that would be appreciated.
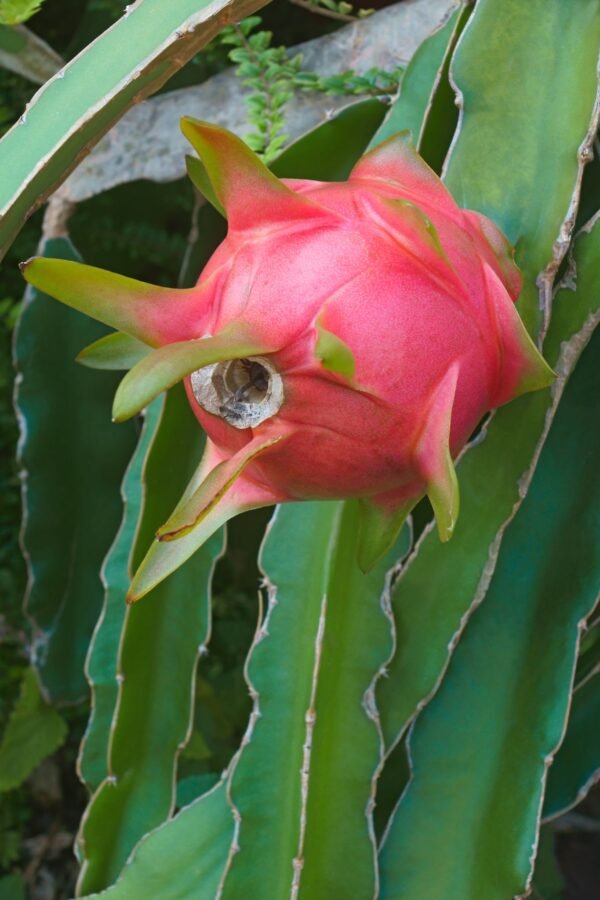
column 387, row 311
column 420, row 292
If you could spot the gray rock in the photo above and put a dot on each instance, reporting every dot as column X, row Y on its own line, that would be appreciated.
column 147, row 143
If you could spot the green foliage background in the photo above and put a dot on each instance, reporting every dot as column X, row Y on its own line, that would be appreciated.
column 144, row 229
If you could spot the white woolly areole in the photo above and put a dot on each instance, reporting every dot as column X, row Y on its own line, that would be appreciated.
column 244, row 392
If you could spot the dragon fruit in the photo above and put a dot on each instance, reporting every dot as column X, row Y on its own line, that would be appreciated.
column 343, row 341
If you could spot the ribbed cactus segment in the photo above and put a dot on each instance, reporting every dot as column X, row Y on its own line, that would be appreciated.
column 437, row 590
column 512, row 674
column 575, row 769
column 533, row 205
column 73, row 460
column 102, row 663
column 137, row 794
column 290, row 794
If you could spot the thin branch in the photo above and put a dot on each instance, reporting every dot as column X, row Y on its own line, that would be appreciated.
column 322, row 11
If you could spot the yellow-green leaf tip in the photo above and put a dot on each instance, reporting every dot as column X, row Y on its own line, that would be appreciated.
column 334, row 353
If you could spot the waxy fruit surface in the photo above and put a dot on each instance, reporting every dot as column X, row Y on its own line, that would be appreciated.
column 344, row 341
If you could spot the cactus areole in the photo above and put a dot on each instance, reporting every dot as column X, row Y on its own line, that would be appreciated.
column 343, row 342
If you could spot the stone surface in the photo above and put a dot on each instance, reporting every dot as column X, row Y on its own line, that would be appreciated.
column 147, row 143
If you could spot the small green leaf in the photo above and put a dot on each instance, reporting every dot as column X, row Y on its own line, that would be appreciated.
column 413, row 228
column 334, row 353
column 115, row 351
column 537, row 374
column 199, row 177
column 13, row 12
column 34, row 731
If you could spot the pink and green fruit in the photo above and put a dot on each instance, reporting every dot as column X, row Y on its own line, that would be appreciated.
column 344, row 341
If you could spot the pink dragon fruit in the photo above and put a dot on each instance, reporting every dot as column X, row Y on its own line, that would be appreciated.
column 344, row 341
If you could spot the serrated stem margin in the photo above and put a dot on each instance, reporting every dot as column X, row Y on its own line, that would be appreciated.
column 585, row 153
column 370, row 698
column 545, row 279
column 570, row 350
column 310, row 719
column 262, row 632
column 111, row 778
column 548, row 759
column 460, row 7
column 103, row 613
